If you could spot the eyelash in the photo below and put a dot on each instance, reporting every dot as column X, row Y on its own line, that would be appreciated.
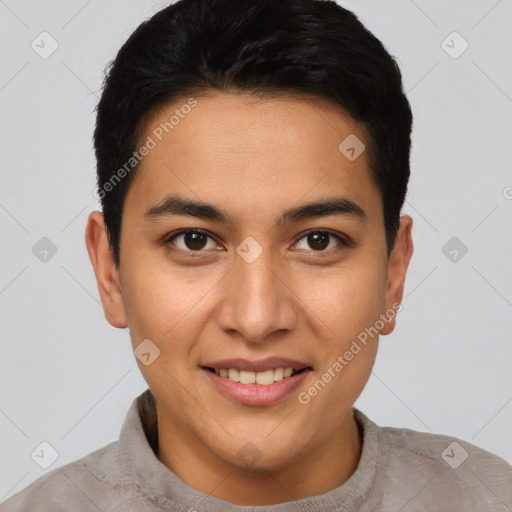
column 168, row 240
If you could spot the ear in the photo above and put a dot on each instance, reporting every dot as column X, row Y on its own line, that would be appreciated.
column 107, row 274
column 397, row 267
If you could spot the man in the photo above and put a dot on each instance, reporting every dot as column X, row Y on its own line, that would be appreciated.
column 253, row 160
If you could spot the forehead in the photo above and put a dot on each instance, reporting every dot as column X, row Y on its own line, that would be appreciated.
column 252, row 155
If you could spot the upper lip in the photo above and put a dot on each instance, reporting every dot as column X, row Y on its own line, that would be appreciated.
column 262, row 365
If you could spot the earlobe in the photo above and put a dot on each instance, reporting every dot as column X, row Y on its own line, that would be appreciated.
column 398, row 263
column 105, row 270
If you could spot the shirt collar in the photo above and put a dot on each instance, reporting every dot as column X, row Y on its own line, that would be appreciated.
column 138, row 443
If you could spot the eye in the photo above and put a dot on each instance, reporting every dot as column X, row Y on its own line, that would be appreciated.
column 320, row 239
column 196, row 240
column 192, row 240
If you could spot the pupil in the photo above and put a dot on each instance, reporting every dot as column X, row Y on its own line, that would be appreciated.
column 192, row 240
column 320, row 239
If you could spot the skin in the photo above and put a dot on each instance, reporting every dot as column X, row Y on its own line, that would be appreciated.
column 254, row 157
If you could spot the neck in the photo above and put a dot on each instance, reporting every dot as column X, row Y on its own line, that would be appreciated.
column 323, row 468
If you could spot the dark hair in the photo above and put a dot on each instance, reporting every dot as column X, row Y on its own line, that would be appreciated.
column 265, row 47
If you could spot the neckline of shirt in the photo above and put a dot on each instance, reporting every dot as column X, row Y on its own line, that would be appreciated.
column 139, row 436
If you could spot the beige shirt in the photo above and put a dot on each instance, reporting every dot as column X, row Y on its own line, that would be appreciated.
column 399, row 470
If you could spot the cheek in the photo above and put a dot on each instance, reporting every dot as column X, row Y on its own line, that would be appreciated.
column 165, row 303
column 350, row 304
column 347, row 299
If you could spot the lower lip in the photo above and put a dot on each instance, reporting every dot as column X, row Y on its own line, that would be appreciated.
column 256, row 394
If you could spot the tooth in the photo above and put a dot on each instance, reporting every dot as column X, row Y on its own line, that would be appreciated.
column 247, row 377
column 234, row 374
column 265, row 378
column 278, row 374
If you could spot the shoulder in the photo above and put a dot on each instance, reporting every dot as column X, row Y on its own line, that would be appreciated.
column 80, row 485
column 442, row 472
column 455, row 455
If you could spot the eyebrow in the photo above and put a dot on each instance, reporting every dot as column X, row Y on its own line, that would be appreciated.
column 175, row 205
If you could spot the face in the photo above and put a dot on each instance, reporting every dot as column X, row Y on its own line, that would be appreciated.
column 238, row 285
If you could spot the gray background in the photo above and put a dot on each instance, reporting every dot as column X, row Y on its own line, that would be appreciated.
column 67, row 377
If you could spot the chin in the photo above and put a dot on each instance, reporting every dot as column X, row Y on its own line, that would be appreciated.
column 256, row 454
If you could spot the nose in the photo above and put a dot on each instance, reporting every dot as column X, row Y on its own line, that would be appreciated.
column 257, row 302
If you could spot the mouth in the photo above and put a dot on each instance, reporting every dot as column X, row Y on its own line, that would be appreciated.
column 256, row 383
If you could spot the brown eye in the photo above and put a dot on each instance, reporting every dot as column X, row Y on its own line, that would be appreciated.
column 319, row 240
column 192, row 240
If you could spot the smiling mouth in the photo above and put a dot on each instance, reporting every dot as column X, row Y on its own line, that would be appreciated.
column 264, row 378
